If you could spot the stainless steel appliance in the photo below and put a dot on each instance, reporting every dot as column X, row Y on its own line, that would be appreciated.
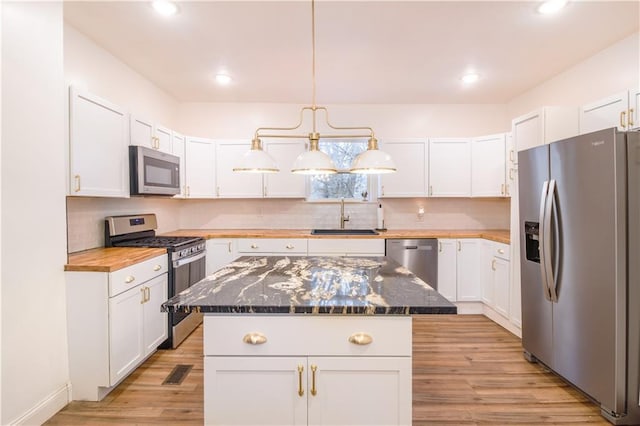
column 580, row 217
column 420, row 256
column 187, row 259
column 153, row 172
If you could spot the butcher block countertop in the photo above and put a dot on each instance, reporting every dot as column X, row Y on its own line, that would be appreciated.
column 110, row 259
column 497, row 235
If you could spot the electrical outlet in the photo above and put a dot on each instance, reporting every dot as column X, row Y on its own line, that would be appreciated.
column 420, row 214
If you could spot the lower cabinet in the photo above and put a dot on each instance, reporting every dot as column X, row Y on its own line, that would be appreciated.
column 114, row 323
column 320, row 380
column 346, row 247
column 459, row 269
column 220, row 251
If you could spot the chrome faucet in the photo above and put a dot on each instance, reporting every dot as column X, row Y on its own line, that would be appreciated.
column 343, row 219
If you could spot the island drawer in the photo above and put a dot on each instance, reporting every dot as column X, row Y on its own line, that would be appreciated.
column 272, row 245
column 131, row 276
column 345, row 246
column 339, row 335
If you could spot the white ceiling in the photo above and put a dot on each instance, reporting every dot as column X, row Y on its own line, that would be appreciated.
column 367, row 51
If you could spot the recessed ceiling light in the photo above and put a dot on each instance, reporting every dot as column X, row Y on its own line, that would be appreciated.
column 470, row 77
column 223, row 79
column 550, row 7
column 165, row 7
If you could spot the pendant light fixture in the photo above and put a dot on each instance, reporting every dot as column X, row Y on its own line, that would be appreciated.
column 314, row 161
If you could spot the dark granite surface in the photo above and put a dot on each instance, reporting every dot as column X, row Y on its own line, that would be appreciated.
column 311, row 285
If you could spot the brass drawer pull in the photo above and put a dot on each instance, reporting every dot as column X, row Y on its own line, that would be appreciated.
column 314, row 391
column 360, row 339
column 289, row 246
column 254, row 338
column 501, row 251
column 300, row 390
column 157, row 267
column 129, row 279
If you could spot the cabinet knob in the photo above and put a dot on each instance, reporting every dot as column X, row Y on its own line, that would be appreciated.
column 254, row 338
column 289, row 246
column 129, row 279
column 501, row 251
column 254, row 246
column 360, row 339
column 157, row 267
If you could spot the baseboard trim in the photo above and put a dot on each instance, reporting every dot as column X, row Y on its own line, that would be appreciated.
column 45, row 409
column 501, row 321
column 469, row 308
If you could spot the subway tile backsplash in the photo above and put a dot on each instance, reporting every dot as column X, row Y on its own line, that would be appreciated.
column 85, row 216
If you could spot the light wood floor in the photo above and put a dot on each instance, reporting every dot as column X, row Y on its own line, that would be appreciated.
column 467, row 370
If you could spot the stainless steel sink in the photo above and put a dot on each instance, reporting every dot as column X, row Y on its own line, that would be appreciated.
column 343, row 232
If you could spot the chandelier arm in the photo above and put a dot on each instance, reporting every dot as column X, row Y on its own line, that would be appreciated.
column 260, row 129
column 326, row 115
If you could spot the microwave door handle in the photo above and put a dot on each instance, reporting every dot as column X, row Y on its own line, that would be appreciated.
column 184, row 261
column 554, row 243
column 542, row 238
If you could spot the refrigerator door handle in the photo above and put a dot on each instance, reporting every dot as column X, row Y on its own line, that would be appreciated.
column 542, row 237
column 546, row 251
column 554, row 267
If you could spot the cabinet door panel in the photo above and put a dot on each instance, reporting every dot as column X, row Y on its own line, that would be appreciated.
column 125, row 333
column 528, row 130
column 200, row 160
column 486, row 269
column 252, row 391
column 284, row 184
column 468, row 270
column 219, row 253
column 449, row 167
column 163, row 140
column 98, row 147
column 360, row 391
column 155, row 321
column 501, row 286
column 634, row 109
column 234, row 184
column 410, row 180
column 447, row 269
column 142, row 132
column 488, row 166
column 178, row 148
column 605, row 113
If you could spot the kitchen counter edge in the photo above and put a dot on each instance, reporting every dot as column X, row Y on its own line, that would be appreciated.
column 110, row 259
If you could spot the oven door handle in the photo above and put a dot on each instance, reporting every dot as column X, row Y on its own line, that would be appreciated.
column 180, row 262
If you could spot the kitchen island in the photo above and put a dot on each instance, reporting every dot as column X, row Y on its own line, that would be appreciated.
column 309, row 340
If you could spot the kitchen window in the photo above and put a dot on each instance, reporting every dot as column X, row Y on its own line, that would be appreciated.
column 350, row 186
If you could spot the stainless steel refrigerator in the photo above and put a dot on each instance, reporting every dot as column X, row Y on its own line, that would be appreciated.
column 580, row 265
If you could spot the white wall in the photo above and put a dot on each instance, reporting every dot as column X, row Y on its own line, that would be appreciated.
column 612, row 70
column 34, row 342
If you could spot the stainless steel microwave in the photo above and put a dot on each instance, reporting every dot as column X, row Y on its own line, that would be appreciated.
column 153, row 172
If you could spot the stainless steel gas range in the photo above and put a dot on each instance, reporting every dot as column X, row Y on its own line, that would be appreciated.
column 187, row 258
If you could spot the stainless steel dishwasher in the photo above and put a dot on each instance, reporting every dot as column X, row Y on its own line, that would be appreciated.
column 420, row 256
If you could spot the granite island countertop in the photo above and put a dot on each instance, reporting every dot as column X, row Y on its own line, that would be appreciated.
column 311, row 285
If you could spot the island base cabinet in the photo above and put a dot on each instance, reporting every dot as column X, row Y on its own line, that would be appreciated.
column 307, row 390
column 317, row 370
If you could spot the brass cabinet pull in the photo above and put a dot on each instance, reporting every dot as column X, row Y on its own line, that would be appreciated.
column 383, row 190
column 229, row 246
column 511, row 169
column 254, row 246
column 144, row 295
column 77, row 178
column 289, row 246
column 511, row 156
column 502, row 189
column 622, row 119
column 360, row 339
column 630, row 117
column 314, row 391
column 264, row 191
column 300, row 390
column 129, row 279
column 459, row 246
column 501, row 251
column 254, row 338
column 493, row 265
column 439, row 246
column 157, row 267
column 430, row 190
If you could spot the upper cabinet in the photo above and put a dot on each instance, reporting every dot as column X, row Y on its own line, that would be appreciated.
column 232, row 184
column 146, row 133
column 284, row 184
column 98, row 153
column 411, row 158
column 544, row 125
column 619, row 110
column 177, row 149
column 450, row 167
column 488, row 164
column 200, row 161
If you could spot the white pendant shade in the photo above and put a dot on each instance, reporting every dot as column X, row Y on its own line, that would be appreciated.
column 256, row 161
column 313, row 162
column 373, row 161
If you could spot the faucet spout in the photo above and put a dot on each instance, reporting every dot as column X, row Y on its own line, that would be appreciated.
column 343, row 218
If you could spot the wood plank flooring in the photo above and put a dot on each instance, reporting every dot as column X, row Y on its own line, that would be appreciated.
column 467, row 370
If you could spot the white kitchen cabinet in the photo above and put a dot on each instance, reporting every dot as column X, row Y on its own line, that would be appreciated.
column 271, row 246
column 324, row 380
column 284, row 184
column 495, row 267
column 619, row 110
column 411, row 158
column 148, row 134
column 200, row 162
column 459, row 269
column 543, row 126
column 98, row 151
column 346, row 247
column 178, row 149
column 447, row 269
column 510, row 163
column 220, row 251
column 449, row 167
column 232, row 184
column 488, row 164
column 486, row 258
column 114, row 323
